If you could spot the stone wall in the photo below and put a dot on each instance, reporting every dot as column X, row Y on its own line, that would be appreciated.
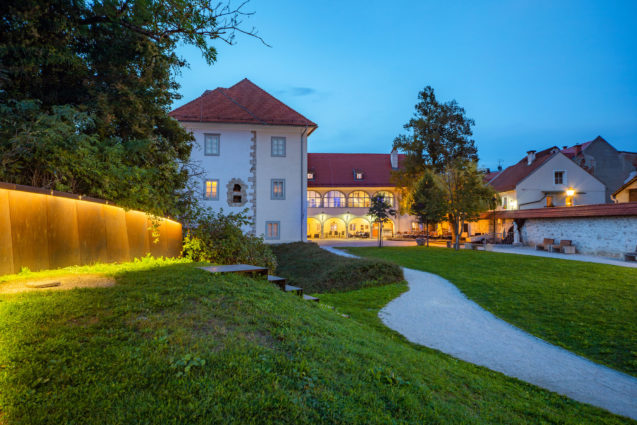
column 603, row 236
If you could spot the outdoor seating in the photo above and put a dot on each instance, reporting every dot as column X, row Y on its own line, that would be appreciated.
column 631, row 256
column 544, row 246
column 560, row 247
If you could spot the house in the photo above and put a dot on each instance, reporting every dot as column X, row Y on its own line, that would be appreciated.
column 628, row 191
column 340, row 187
column 547, row 178
column 252, row 152
column 603, row 161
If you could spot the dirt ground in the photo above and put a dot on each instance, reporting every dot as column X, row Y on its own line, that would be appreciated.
column 70, row 281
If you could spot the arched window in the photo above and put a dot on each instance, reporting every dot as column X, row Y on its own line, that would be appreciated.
column 334, row 199
column 387, row 196
column 359, row 199
column 313, row 199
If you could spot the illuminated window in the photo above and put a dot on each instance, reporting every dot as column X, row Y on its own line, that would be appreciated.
column 278, row 189
column 211, row 190
column 278, row 146
column 359, row 199
column 211, row 144
column 387, row 196
column 358, row 175
column 549, row 201
column 569, row 201
column 334, row 199
column 272, row 230
column 313, row 199
column 559, row 177
column 311, row 174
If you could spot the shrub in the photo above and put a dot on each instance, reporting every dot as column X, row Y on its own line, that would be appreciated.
column 317, row 270
column 218, row 238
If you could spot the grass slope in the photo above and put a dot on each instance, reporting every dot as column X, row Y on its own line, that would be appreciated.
column 317, row 270
column 588, row 308
column 172, row 344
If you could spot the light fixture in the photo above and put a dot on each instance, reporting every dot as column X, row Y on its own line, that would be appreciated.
column 570, row 191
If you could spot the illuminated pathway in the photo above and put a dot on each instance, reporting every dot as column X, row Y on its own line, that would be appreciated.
column 434, row 313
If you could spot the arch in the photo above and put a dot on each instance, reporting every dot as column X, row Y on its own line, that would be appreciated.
column 359, row 227
column 387, row 196
column 313, row 228
column 334, row 199
column 359, row 199
column 388, row 229
column 334, row 228
column 314, row 199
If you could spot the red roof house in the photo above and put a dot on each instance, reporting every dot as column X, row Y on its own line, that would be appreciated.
column 342, row 169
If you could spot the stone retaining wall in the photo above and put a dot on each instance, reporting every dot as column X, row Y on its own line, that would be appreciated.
column 603, row 236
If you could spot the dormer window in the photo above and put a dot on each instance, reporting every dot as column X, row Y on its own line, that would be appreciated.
column 358, row 175
column 310, row 174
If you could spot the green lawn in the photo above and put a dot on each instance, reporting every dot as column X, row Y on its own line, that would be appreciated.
column 172, row 344
column 588, row 308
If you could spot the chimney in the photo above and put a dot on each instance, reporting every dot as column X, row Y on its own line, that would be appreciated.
column 394, row 159
column 488, row 170
column 530, row 157
column 499, row 167
column 564, row 147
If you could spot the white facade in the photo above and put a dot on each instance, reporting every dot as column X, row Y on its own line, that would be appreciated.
column 245, row 158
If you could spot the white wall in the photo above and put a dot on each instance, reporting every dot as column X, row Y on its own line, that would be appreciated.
column 234, row 162
column 533, row 187
column 604, row 236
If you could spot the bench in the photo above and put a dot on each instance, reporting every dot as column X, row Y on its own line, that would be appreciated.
column 544, row 246
column 561, row 246
column 631, row 256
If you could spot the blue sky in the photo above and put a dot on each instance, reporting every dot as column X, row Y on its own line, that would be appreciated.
column 532, row 74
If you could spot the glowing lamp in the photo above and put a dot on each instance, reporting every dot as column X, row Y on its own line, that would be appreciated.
column 570, row 191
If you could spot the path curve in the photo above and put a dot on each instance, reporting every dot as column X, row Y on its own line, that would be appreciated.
column 434, row 313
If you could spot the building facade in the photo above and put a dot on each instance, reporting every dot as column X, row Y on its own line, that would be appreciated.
column 251, row 153
column 340, row 188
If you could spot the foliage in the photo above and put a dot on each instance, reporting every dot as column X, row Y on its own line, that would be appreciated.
column 108, row 68
column 587, row 308
column 380, row 210
column 218, row 238
column 467, row 194
column 318, row 271
column 106, row 355
column 429, row 202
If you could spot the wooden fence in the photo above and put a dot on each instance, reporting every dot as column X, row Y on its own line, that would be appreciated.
column 44, row 229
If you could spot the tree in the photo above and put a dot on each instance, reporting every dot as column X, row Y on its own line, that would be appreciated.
column 110, row 65
column 467, row 194
column 429, row 203
column 440, row 133
column 380, row 210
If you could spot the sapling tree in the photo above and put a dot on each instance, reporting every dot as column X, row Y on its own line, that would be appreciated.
column 380, row 211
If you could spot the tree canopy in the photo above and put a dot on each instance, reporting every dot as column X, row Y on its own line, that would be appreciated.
column 380, row 210
column 85, row 91
column 429, row 202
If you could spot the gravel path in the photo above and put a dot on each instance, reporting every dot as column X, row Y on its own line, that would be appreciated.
column 436, row 314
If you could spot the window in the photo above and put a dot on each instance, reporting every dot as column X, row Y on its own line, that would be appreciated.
column 278, row 189
column 236, row 194
column 211, row 190
column 359, row 199
column 313, row 199
column 211, row 144
column 272, row 230
column 358, row 175
column 632, row 195
column 334, row 199
column 387, row 196
column 559, row 177
column 310, row 174
column 278, row 146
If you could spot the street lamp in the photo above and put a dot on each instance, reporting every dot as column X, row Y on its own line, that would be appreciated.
column 569, row 196
column 570, row 191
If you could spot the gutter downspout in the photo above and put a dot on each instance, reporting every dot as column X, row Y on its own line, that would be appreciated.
column 303, row 195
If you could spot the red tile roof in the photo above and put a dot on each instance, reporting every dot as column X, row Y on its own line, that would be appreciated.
column 625, row 185
column 243, row 103
column 337, row 169
column 597, row 210
column 573, row 150
column 511, row 176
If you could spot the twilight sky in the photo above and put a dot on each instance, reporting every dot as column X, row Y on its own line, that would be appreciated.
column 532, row 74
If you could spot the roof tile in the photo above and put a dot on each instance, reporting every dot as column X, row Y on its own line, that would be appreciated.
column 337, row 169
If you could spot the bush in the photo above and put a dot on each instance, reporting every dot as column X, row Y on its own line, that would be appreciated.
column 317, row 270
column 218, row 238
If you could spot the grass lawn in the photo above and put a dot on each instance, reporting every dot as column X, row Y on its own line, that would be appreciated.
column 317, row 271
column 588, row 308
column 172, row 344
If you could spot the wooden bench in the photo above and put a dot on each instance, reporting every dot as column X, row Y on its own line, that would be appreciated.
column 561, row 246
column 544, row 246
column 631, row 256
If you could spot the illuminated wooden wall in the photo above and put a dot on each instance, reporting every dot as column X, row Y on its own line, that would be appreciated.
column 42, row 229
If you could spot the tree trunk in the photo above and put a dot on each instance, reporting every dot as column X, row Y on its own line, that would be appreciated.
column 460, row 232
column 427, row 230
